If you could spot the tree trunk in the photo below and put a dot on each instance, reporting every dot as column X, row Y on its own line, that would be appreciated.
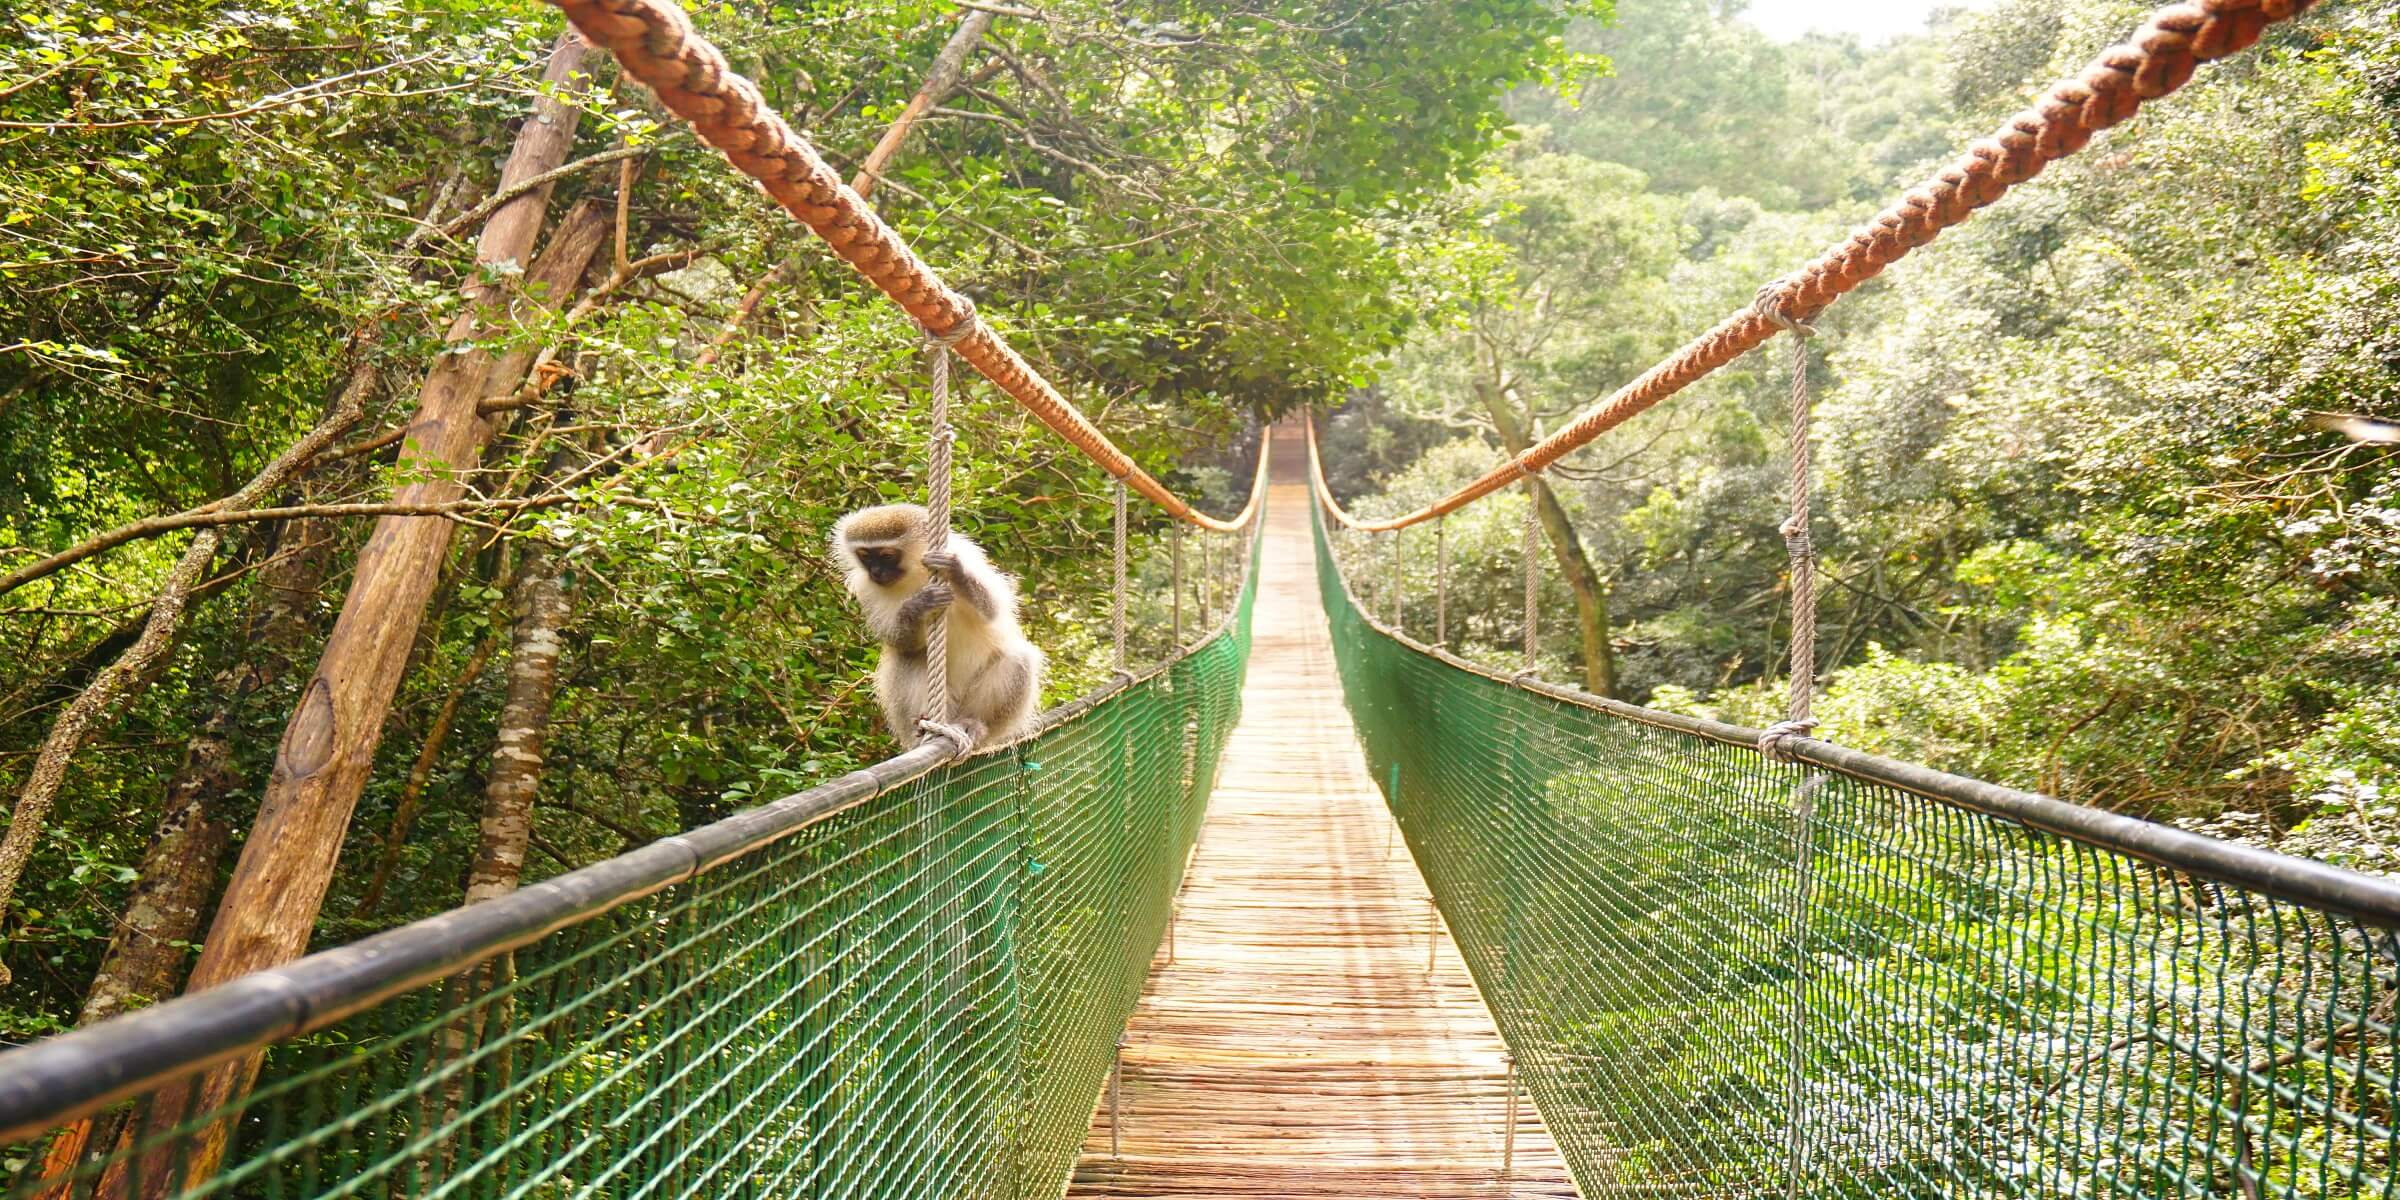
column 517, row 754
column 1591, row 596
column 270, row 907
column 506, row 830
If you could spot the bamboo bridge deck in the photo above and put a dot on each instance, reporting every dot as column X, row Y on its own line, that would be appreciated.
column 1296, row 1046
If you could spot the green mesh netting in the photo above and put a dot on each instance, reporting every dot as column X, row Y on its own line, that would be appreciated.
column 916, row 997
column 1902, row 996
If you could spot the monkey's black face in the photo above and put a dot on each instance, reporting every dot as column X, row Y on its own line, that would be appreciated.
column 882, row 564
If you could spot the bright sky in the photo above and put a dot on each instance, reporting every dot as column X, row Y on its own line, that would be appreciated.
column 1872, row 19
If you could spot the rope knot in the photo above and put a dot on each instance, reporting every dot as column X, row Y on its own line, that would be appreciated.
column 1768, row 303
column 958, row 737
column 1772, row 739
column 964, row 329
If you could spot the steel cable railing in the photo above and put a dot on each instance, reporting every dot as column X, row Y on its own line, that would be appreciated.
column 1724, row 976
column 905, row 983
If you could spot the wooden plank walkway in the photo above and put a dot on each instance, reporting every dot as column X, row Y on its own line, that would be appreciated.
column 1296, row 1045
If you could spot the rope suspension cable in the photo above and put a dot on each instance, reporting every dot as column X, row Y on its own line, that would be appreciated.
column 655, row 43
column 2156, row 60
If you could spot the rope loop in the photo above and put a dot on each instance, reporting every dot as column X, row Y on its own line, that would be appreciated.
column 1772, row 741
column 1768, row 303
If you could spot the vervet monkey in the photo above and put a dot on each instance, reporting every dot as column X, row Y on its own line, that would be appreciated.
column 995, row 674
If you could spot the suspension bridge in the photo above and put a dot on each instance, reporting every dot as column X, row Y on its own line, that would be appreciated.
column 1313, row 907
column 1315, row 1032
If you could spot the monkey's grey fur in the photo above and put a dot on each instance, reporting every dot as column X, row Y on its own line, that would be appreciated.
column 995, row 674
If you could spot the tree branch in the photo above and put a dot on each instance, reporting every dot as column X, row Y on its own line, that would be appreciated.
column 458, row 224
column 299, row 95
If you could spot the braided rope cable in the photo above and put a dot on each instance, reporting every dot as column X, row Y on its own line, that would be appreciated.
column 1119, row 615
column 655, row 43
column 1797, row 543
column 1397, row 566
column 2159, row 58
column 1175, row 579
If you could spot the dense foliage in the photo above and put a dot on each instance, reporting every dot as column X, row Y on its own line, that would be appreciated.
column 213, row 218
column 2084, row 526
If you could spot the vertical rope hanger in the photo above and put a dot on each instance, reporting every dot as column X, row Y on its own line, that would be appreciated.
column 1533, row 571
column 1441, row 582
column 941, row 439
column 1773, row 741
column 1119, row 616
column 1797, row 721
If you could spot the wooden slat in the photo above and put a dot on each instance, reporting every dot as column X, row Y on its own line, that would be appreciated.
column 1296, row 1045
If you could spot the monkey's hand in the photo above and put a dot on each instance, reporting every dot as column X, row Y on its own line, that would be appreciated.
column 941, row 564
column 930, row 598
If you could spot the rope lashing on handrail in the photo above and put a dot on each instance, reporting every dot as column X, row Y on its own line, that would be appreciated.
column 653, row 40
column 1796, row 540
column 940, row 443
column 2156, row 60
